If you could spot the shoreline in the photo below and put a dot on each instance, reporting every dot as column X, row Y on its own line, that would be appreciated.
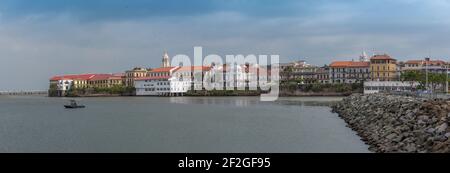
column 397, row 124
column 282, row 96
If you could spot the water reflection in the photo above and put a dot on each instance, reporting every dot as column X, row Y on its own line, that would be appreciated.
column 249, row 101
column 233, row 101
column 306, row 103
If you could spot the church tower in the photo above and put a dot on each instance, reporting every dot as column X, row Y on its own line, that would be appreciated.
column 364, row 57
column 166, row 60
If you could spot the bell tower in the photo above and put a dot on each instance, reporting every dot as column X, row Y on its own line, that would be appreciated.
column 166, row 60
column 364, row 57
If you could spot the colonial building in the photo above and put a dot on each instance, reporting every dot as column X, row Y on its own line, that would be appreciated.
column 306, row 74
column 106, row 80
column 383, row 68
column 66, row 82
column 161, row 86
column 193, row 74
column 323, row 75
column 171, row 81
column 77, row 81
column 133, row 74
column 432, row 66
column 349, row 71
column 298, row 70
column 231, row 76
column 162, row 71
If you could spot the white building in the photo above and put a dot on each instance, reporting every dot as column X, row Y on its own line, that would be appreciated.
column 371, row 87
column 234, row 76
column 349, row 71
column 64, row 85
column 432, row 66
column 171, row 81
column 161, row 86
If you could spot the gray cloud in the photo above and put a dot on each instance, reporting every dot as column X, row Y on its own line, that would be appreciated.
column 44, row 42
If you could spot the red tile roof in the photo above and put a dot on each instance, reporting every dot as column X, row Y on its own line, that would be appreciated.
column 101, row 77
column 194, row 68
column 73, row 77
column 382, row 57
column 350, row 64
column 162, row 69
column 152, row 78
column 432, row 62
column 86, row 77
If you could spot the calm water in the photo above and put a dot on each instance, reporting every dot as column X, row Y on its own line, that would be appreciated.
column 182, row 124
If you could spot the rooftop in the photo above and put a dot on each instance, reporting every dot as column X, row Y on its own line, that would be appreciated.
column 193, row 68
column 162, row 69
column 382, row 57
column 152, row 78
column 73, row 77
column 432, row 62
column 349, row 64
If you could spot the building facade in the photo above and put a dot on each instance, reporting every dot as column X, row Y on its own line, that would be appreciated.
column 61, row 84
column 299, row 70
column 161, row 86
column 133, row 74
column 383, row 68
column 106, row 80
column 432, row 66
column 349, row 71
column 323, row 75
column 193, row 74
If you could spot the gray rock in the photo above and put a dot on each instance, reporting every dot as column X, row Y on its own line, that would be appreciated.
column 390, row 123
column 391, row 136
column 410, row 148
column 442, row 128
column 430, row 130
column 447, row 135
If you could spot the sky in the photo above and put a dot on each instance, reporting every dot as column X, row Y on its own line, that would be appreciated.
column 39, row 39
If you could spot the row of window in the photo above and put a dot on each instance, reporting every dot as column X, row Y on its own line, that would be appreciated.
column 387, row 88
column 383, row 62
column 384, row 68
column 349, row 76
column 163, row 89
column 349, row 70
column 159, row 74
column 384, row 75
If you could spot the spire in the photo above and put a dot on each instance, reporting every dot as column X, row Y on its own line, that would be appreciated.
column 166, row 60
column 363, row 57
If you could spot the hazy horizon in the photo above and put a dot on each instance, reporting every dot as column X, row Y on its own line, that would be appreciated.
column 39, row 39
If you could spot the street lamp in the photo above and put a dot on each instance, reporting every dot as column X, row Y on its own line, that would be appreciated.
column 446, row 86
column 426, row 75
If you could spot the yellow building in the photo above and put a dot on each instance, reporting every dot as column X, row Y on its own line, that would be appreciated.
column 131, row 75
column 81, row 83
column 106, row 80
column 383, row 68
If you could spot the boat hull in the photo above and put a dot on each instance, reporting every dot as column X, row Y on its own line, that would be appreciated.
column 73, row 107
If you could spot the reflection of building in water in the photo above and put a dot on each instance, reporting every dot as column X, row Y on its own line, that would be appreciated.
column 241, row 102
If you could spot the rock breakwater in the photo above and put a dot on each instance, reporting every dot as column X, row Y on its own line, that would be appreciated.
column 390, row 123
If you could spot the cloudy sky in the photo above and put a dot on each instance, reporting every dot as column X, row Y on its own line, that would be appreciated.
column 42, row 38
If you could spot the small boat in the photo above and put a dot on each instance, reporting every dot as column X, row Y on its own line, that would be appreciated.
column 73, row 105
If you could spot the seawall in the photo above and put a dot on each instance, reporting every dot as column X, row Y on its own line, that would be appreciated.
column 390, row 123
